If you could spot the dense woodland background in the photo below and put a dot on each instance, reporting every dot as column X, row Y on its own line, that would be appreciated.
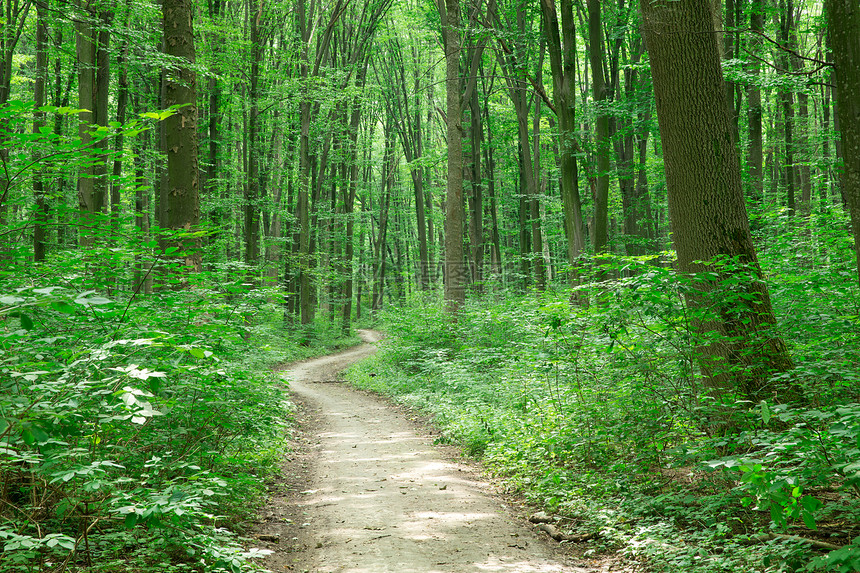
column 641, row 311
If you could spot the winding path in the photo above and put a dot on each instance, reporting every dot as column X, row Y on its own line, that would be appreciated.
column 381, row 498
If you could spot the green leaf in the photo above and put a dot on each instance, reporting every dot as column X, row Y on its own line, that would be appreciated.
column 765, row 412
column 810, row 503
column 776, row 515
column 131, row 520
column 197, row 352
column 809, row 520
column 91, row 300
column 26, row 322
column 63, row 306
column 40, row 435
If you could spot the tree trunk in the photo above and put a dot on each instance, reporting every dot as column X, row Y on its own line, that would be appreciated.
column 561, row 46
column 455, row 273
column 379, row 251
column 495, row 248
column 86, row 56
column 42, row 211
column 476, row 197
column 540, row 263
column 183, row 207
column 843, row 20
column 252, row 187
column 121, row 109
column 786, row 98
column 634, row 194
column 62, row 97
column 600, row 93
column 739, row 350
column 824, row 169
column 143, row 272
column 101, row 93
column 213, row 169
column 755, row 152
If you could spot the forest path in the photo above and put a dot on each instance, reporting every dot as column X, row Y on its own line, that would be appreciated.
column 380, row 497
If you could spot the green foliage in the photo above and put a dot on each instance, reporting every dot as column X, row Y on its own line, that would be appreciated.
column 135, row 429
column 603, row 415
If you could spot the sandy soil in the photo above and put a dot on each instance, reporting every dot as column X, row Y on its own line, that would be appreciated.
column 366, row 492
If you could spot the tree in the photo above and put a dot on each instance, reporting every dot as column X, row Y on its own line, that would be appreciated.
column 457, row 94
column 39, row 93
column 513, row 60
column 754, row 107
column 602, row 94
column 561, row 46
column 706, row 205
column 180, row 89
column 843, row 21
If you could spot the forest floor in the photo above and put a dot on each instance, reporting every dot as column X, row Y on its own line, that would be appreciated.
column 365, row 490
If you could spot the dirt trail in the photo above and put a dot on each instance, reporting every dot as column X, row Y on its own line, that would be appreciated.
column 381, row 498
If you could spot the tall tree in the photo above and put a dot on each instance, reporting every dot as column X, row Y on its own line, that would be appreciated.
column 601, row 92
column 754, row 107
column 561, row 46
column 786, row 98
column 706, row 203
column 308, row 20
column 13, row 14
column 843, row 21
column 85, row 41
column 513, row 59
column 40, row 229
column 457, row 94
column 252, row 187
column 180, row 89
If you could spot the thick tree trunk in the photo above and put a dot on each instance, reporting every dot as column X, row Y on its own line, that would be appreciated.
column 455, row 274
column 843, row 20
column 739, row 350
column 183, row 206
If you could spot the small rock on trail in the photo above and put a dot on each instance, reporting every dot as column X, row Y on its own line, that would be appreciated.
column 381, row 498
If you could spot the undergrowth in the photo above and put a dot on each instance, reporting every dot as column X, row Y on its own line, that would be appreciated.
column 137, row 431
column 601, row 415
